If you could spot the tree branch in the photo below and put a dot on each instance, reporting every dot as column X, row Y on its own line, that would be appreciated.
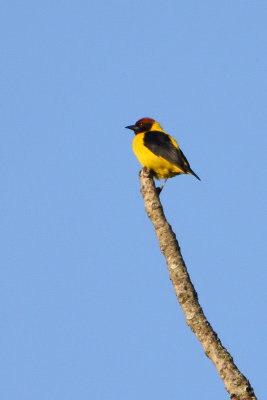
column 235, row 382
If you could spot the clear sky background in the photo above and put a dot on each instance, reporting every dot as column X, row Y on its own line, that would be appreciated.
column 87, row 307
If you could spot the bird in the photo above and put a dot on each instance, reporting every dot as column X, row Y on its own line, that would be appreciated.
column 158, row 151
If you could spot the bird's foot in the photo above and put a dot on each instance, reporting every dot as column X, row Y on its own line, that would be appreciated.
column 158, row 190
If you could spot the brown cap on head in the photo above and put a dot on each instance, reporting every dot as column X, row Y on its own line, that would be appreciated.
column 142, row 125
column 145, row 120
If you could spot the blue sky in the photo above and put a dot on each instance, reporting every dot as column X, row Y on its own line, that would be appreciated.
column 87, row 308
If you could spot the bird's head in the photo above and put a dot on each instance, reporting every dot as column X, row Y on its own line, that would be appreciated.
column 144, row 125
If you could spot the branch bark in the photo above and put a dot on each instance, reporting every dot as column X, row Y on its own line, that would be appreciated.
column 235, row 382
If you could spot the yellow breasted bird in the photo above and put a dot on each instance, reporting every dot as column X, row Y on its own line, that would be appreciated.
column 158, row 151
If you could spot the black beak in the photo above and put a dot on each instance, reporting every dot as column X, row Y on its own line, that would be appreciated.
column 132, row 127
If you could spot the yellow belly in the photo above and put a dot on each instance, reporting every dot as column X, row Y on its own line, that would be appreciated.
column 161, row 168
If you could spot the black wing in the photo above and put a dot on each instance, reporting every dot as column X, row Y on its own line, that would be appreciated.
column 161, row 145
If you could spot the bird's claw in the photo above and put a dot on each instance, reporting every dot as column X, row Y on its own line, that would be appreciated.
column 158, row 190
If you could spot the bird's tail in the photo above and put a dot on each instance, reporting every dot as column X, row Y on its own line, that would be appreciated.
column 191, row 172
column 188, row 170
